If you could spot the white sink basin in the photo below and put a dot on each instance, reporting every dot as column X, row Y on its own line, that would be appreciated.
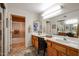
column 58, row 38
column 65, row 40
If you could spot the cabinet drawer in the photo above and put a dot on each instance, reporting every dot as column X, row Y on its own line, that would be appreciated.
column 60, row 48
column 33, row 42
column 72, row 52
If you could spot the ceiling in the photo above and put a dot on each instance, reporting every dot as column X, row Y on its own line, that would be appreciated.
column 41, row 7
column 33, row 7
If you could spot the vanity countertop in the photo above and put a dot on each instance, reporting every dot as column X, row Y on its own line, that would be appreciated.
column 68, row 41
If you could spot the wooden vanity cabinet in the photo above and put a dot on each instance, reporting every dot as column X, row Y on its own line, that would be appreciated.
column 35, row 41
column 56, row 49
column 61, row 49
column 61, row 53
column 52, row 52
column 50, row 49
column 72, row 51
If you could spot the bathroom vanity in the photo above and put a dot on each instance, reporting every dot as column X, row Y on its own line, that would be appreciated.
column 58, row 49
column 58, row 45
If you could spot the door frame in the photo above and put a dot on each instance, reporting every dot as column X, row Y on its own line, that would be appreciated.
column 11, row 29
column 2, row 7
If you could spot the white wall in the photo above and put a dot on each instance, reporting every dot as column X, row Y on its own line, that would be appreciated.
column 5, row 31
column 30, row 17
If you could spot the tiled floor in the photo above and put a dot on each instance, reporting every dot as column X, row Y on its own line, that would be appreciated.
column 27, row 52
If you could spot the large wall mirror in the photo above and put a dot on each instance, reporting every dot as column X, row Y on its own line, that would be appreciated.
column 68, row 27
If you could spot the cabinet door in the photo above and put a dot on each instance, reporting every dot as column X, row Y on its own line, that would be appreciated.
column 36, row 43
column 51, row 51
column 49, row 43
column 72, row 52
column 33, row 41
column 60, row 48
column 61, row 53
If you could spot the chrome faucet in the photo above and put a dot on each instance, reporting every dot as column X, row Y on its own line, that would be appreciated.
column 65, row 39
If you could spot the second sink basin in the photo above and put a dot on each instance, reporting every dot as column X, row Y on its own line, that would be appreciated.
column 65, row 40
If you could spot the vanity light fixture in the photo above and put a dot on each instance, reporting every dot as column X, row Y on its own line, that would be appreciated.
column 71, row 21
column 53, row 11
column 52, row 14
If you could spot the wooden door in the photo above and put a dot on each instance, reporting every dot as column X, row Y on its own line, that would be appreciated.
column 18, row 33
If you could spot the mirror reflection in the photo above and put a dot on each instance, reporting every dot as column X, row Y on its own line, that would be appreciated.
column 68, row 27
